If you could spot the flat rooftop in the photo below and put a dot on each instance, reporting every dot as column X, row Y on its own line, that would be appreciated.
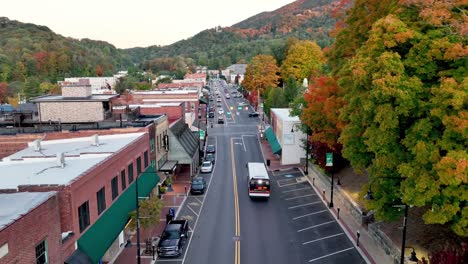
column 283, row 114
column 59, row 98
column 31, row 167
column 15, row 205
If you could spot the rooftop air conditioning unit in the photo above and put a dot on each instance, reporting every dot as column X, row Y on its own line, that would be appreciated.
column 61, row 159
column 37, row 145
column 95, row 139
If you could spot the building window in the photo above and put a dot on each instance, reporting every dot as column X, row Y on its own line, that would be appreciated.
column 115, row 187
column 41, row 253
column 101, row 200
column 138, row 161
column 123, row 180
column 130, row 172
column 145, row 159
column 152, row 145
column 83, row 216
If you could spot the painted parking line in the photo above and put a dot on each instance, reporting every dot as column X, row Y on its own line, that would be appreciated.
column 300, row 196
column 301, row 205
column 301, row 216
column 188, row 206
column 298, row 189
column 296, row 182
column 331, row 254
column 314, row 226
column 322, row 238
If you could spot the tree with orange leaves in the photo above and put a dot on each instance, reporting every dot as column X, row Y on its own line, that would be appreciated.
column 261, row 73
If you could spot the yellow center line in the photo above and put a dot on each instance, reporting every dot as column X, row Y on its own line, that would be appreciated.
column 236, row 206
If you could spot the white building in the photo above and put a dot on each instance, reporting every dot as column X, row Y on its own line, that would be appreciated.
column 99, row 85
column 289, row 137
column 234, row 71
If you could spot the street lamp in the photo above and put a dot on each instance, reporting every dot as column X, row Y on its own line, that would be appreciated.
column 137, row 220
column 370, row 196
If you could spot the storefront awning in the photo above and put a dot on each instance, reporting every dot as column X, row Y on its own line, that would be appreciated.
column 274, row 144
column 202, row 101
column 169, row 166
column 78, row 257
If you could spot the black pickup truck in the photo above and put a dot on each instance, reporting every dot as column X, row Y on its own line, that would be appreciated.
column 173, row 238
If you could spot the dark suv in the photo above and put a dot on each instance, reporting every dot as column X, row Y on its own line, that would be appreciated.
column 173, row 238
column 211, row 114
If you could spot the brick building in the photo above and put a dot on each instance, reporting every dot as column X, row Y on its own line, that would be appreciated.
column 94, row 178
column 30, row 228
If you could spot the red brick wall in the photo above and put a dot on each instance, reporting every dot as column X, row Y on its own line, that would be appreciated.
column 42, row 223
column 172, row 112
column 85, row 188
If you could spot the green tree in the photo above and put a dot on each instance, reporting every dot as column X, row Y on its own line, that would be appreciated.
column 149, row 213
column 291, row 89
column 31, row 88
column 275, row 99
column 406, row 102
column 124, row 84
column 261, row 73
column 304, row 59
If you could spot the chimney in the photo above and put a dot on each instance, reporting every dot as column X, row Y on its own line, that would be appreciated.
column 61, row 159
column 37, row 145
column 95, row 140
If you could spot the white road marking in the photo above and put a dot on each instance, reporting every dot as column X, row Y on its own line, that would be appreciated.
column 298, row 189
column 301, row 205
column 301, row 196
column 328, row 255
column 322, row 238
column 288, row 184
column 188, row 206
column 301, row 216
column 314, row 226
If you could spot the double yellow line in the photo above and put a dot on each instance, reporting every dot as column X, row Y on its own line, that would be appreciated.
column 236, row 207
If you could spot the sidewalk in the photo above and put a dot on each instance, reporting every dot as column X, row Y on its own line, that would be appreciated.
column 175, row 199
column 367, row 245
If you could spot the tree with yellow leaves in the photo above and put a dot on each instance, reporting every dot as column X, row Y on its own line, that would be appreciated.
column 303, row 60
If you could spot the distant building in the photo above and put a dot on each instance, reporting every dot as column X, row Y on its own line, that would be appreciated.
column 76, row 104
column 236, row 71
column 99, row 85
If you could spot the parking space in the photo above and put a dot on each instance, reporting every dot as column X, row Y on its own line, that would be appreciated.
column 191, row 210
column 320, row 238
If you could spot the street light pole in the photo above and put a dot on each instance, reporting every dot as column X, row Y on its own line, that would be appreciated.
column 403, row 240
column 137, row 221
column 307, row 152
column 331, row 194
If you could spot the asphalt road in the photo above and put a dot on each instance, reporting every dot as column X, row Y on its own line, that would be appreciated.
column 293, row 226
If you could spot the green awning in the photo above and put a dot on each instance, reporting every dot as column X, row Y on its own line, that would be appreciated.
column 274, row 144
column 202, row 101
column 99, row 237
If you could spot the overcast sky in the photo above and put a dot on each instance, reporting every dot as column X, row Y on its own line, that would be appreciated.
column 134, row 23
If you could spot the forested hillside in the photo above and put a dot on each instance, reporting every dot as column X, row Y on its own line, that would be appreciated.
column 265, row 33
column 28, row 50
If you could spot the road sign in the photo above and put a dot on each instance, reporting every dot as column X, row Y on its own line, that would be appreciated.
column 202, row 134
column 329, row 160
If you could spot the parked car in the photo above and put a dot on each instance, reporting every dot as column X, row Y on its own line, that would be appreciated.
column 253, row 114
column 206, row 167
column 210, row 149
column 173, row 238
column 210, row 157
column 198, row 185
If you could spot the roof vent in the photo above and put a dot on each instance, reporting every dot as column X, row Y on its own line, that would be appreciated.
column 95, row 139
column 37, row 145
column 61, row 159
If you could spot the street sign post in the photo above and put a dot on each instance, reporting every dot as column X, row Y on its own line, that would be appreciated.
column 329, row 160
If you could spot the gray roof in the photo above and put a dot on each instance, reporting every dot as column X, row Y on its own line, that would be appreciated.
column 183, row 133
column 30, row 167
column 237, row 68
column 15, row 205
column 59, row 98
